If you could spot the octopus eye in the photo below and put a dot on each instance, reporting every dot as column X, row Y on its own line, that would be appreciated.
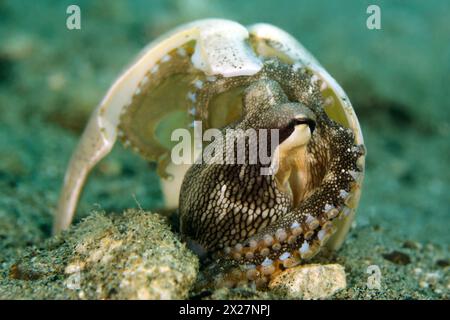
column 311, row 123
column 286, row 132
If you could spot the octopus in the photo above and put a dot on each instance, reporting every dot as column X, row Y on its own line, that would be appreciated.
column 247, row 225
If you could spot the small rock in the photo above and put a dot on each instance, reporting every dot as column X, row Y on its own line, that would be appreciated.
column 397, row 257
column 310, row 282
column 443, row 263
column 408, row 244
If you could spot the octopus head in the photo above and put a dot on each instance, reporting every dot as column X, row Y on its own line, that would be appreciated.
column 266, row 106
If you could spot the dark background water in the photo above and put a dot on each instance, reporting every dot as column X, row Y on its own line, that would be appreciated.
column 51, row 79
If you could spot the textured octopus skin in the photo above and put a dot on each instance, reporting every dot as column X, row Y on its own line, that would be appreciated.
column 243, row 220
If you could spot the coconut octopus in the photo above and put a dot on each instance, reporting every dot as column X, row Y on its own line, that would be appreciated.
column 249, row 225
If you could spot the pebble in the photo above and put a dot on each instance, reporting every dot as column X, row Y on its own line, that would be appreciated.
column 310, row 282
